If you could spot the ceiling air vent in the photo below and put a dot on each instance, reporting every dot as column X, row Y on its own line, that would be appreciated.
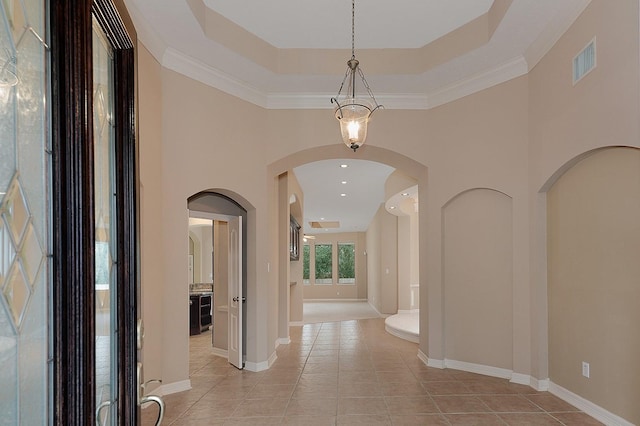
column 327, row 224
column 584, row 61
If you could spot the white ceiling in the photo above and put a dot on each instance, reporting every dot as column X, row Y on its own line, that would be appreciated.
column 326, row 24
column 322, row 183
column 183, row 42
column 173, row 34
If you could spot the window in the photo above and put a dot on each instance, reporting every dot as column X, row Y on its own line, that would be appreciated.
column 346, row 263
column 324, row 263
column 306, row 254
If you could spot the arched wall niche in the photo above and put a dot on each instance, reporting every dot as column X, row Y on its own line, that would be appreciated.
column 592, row 292
column 461, row 193
column 477, row 265
column 408, row 166
column 539, row 303
column 573, row 161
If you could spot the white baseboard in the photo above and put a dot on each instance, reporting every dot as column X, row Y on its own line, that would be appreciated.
column 525, row 379
column 175, row 387
column 588, row 407
column 577, row 401
column 486, row 370
column 401, row 334
column 261, row 366
column 334, row 300
column 296, row 323
column 222, row 353
column 377, row 311
column 519, row 378
column 430, row 362
column 283, row 341
column 540, row 385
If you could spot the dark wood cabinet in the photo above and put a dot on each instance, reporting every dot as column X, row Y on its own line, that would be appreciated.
column 199, row 313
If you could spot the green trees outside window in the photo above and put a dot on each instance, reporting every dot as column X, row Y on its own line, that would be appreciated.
column 324, row 263
column 306, row 253
column 322, row 269
column 346, row 263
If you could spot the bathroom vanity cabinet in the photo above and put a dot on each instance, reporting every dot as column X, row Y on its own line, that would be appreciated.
column 199, row 312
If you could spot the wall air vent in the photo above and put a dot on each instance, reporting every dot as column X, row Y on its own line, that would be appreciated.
column 584, row 61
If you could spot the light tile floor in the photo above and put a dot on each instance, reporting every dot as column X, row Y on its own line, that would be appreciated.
column 352, row 373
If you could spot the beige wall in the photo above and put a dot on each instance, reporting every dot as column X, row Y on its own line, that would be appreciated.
column 382, row 262
column 515, row 138
column 478, row 278
column 151, row 222
column 313, row 291
column 568, row 122
column 594, row 280
column 408, row 256
column 404, row 263
column 196, row 149
column 296, row 209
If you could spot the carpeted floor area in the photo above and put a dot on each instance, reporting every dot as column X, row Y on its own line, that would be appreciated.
column 315, row 312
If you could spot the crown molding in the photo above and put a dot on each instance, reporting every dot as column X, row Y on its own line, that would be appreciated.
column 146, row 34
column 500, row 74
column 199, row 71
column 323, row 101
column 193, row 68
column 555, row 29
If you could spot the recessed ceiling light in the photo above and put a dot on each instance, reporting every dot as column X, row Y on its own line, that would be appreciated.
column 343, row 195
column 344, row 182
column 405, row 194
column 344, row 166
column 322, row 218
column 392, row 207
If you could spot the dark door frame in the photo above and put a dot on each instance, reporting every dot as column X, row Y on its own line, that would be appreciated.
column 73, row 269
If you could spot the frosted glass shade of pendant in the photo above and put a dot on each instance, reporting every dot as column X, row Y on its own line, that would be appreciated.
column 353, row 120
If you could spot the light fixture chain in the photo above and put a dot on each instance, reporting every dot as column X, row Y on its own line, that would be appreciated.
column 353, row 29
column 354, row 112
column 366, row 85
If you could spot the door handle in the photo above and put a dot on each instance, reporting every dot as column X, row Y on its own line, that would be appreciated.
column 105, row 404
column 235, row 299
column 155, row 399
column 149, row 398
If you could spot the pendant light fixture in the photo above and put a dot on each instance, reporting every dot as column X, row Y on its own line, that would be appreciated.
column 354, row 112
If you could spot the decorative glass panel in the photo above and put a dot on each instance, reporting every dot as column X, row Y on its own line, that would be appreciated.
column 24, row 274
column 105, row 254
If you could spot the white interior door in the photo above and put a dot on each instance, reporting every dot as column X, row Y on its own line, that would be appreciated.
column 235, row 292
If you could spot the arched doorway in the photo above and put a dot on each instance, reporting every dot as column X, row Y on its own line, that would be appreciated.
column 220, row 207
column 408, row 166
